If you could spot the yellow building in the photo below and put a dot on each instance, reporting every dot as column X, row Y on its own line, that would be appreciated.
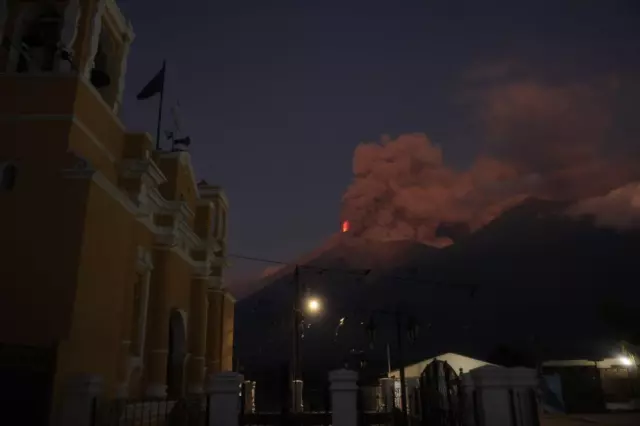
column 112, row 254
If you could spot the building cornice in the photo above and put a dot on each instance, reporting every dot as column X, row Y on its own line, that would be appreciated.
column 134, row 169
column 179, row 238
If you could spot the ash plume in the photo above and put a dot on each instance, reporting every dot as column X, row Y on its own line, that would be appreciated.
column 552, row 141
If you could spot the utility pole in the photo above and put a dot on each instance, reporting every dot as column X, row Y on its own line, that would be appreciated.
column 295, row 369
column 403, row 383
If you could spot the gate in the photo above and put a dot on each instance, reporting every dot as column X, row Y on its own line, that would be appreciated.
column 440, row 395
column 186, row 411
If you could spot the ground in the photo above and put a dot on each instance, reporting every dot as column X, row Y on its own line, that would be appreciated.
column 631, row 419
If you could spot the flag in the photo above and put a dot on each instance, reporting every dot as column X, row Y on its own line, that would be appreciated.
column 153, row 87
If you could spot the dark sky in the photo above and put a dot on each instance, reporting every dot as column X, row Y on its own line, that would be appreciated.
column 276, row 95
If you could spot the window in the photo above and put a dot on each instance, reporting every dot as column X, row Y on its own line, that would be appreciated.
column 8, row 174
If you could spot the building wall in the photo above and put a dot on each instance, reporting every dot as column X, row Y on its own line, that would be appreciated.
column 85, row 205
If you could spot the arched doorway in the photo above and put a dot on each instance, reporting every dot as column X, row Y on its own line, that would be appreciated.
column 176, row 355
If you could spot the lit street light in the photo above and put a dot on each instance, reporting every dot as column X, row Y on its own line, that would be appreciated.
column 313, row 305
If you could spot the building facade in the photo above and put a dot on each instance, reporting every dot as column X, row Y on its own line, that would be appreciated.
column 113, row 254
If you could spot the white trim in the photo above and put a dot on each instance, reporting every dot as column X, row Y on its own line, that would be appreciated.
column 71, row 19
column 134, row 168
column 169, row 238
column 94, row 39
column 121, row 22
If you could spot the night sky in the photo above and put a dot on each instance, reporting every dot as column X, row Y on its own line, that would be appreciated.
column 276, row 95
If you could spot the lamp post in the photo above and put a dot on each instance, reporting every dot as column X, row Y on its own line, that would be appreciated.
column 313, row 306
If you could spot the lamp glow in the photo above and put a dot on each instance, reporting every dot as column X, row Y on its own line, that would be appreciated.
column 313, row 305
column 625, row 361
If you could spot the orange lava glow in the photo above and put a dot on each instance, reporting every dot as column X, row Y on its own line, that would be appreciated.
column 345, row 226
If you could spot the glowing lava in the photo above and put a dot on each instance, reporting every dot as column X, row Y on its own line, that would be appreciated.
column 345, row 226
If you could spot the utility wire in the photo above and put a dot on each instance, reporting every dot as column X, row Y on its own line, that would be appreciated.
column 363, row 272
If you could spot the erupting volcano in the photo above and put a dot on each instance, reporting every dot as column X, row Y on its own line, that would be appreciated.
column 345, row 226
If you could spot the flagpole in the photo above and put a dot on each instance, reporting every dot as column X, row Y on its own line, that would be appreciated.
column 164, row 76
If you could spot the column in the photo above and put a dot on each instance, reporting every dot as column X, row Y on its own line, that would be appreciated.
column 214, row 331
column 297, row 406
column 80, row 399
column 524, row 386
column 69, row 31
column 493, row 396
column 224, row 399
column 344, row 397
column 249, row 396
column 386, row 395
column 467, row 393
column 94, row 30
column 197, row 335
column 157, row 336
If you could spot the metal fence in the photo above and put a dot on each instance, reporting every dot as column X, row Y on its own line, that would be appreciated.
column 188, row 411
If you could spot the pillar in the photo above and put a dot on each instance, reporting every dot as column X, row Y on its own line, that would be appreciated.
column 524, row 385
column 215, row 297
column 344, row 397
column 157, row 335
column 467, row 393
column 197, row 335
column 297, row 405
column 386, row 395
column 249, row 396
column 79, row 400
column 223, row 391
column 94, row 30
column 503, row 396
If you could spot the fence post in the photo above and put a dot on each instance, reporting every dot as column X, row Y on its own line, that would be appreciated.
column 223, row 391
column 467, row 394
column 387, row 401
column 344, row 395
column 524, row 383
column 249, row 396
column 80, row 400
column 502, row 395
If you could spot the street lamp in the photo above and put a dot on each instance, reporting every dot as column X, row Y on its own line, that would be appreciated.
column 313, row 305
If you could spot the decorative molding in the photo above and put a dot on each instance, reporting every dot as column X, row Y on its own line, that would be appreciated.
column 133, row 169
column 179, row 238
column 81, row 169
column 96, row 29
column 119, row 19
column 124, row 56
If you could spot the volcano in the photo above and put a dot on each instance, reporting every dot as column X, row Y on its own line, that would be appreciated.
column 534, row 277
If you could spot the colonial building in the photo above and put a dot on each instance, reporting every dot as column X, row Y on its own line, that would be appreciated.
column 112, row 253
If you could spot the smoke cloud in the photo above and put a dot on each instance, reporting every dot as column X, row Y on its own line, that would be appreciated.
column 619, row 209
column 540, row 139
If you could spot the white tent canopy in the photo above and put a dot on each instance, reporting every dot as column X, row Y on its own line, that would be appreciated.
column 456, row 361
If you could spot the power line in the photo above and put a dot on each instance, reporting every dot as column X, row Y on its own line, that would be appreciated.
column 363, row 272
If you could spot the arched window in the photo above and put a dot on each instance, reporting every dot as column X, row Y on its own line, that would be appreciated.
column 8, row 174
